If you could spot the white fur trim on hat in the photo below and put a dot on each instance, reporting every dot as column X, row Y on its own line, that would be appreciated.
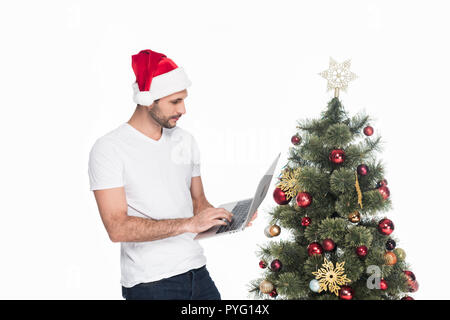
column 163, row 85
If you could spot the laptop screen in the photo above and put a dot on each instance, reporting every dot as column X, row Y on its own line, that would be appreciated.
column 262, row 189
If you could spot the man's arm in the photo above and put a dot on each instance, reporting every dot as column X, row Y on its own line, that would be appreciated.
column 113, row 209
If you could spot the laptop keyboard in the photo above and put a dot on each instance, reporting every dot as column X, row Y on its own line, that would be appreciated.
column 239, row 212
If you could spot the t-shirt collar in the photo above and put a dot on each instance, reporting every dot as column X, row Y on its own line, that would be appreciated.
column 145, row 137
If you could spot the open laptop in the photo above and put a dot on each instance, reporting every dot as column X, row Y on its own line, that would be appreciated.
column 242, row 210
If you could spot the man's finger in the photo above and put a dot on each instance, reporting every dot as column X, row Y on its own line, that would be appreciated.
column 222, row 214
column 219, row 222
column 225, row 210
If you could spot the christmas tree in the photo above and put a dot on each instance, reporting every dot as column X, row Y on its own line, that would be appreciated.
column 331, row 198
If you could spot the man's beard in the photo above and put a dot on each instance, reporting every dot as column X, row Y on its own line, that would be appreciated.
column 156, row 115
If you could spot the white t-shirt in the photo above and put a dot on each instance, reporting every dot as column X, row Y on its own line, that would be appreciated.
column 156, row 176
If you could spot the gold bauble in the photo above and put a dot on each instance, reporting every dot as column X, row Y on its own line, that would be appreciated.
column 400, row 253
column 267, row 232
column 266, row 286
column 274, row 230
column 354, row 217
column 390, row 258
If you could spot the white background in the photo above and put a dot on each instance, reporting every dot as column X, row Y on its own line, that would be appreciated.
column 66, row 78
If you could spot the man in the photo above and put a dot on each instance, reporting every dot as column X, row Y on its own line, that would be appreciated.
column 145, row 175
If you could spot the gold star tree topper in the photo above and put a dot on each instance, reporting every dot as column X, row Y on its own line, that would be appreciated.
column 338, row 76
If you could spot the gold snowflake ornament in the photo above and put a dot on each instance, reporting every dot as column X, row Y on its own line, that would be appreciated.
column 338, row 76
column 289, row 183
column 331, row 278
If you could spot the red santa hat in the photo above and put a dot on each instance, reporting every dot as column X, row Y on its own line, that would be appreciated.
column 156, row 77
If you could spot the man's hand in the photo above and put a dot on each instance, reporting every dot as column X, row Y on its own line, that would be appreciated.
column 253, row 218
column 208, row 218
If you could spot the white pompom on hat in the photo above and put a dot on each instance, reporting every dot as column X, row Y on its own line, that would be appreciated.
column 156, row 77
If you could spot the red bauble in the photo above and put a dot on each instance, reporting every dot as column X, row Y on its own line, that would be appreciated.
column 385, row 227
column 304, row 199
column 383, row 284
column 361, row 251
column 413, row 286
column 306, row 221
column 314, row 248
column 337, row 156
column 276, row 265
column 384, row 191
column 346, row 293
column 295, row 140
column 328, row 245
column 280, row 196
column 368, row 131
column 262, row 264
column 407, row 298
column 390, row 245
column 410, row 275
column 362, row 170
column 274, row 293
column 382, row 183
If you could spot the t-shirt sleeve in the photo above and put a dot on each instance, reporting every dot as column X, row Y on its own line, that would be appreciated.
column 105, row 167
column 195, row 158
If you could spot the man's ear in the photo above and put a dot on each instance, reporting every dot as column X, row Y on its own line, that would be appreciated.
column 150, row 107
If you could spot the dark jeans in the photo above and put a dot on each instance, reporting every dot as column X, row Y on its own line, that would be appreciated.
column 195, row 284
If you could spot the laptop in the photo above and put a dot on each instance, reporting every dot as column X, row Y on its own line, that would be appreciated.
column 242, row 210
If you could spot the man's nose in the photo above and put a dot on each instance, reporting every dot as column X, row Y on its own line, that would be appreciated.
column 181, row 109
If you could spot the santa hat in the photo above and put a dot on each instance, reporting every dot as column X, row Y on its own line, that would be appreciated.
column 156, row 76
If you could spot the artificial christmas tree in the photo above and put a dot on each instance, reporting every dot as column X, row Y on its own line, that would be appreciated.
column 329, row 198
